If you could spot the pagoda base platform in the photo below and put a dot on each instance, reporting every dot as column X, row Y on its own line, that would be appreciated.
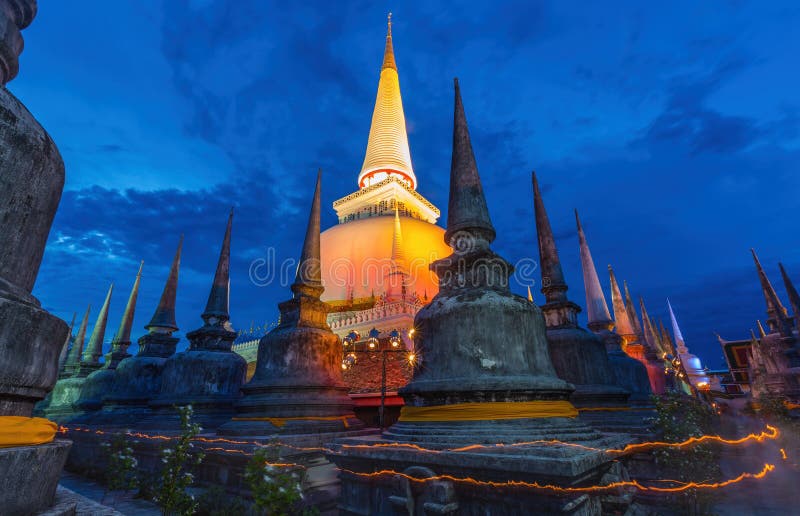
column 379, row 478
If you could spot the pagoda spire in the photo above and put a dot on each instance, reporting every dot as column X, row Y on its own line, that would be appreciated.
column 632, row 315
column 388, row 154
column 794, row 297
column 621, row 317
column 62, row 357
column 94, row 349
column 775, row 309
column 123, row 335
column 649, row 331
column 308, row 270
column 554, row 287
column 73, row 360
column 761, row 331
column 597, row 312
column 530, row 296
column 163, row 320
column 467, row 212
column 218, row 305
column 676, row 331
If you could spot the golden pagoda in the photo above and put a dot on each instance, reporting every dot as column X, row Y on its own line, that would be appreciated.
column 375, row 260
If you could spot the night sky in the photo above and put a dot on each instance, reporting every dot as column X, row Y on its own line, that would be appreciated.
column 674, row 129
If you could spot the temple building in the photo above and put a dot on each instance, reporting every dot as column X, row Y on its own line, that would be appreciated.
column 767, row 363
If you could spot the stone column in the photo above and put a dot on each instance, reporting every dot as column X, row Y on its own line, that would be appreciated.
column 31, row 182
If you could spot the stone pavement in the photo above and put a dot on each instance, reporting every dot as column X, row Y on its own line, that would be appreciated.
column 89, row 496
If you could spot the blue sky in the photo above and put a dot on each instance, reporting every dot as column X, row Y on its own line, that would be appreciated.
column 673, row 129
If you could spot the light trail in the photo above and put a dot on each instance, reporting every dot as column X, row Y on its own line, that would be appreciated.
column 681, row 486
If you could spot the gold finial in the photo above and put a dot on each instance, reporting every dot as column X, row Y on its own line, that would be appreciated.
column 388, row 54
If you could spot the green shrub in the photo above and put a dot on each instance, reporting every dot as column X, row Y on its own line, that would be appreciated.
column 679, row 417
column 172, row 493
column 215, row 501
column 276, row 492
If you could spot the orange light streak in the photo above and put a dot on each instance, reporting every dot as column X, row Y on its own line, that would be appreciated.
column 681, row 486
column 783, row 454
column 769, row 433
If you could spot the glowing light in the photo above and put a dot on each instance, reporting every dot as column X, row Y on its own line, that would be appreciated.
column 371, row 344
column 769, row 433
column 412, row 358
column 679, row 487
column 411, row 333
column 783, row 454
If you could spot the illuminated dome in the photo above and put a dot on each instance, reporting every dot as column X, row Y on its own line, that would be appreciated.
column 358, row 256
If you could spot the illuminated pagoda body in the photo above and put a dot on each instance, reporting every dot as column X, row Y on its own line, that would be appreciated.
column 486, row 378
column 633, row 343
column 691, row 363
column 375, row 260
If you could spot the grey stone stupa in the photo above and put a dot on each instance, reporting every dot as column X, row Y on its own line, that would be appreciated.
column 630, row 373
column 31, row 181
column 99, row 383
column 297, row 386
column 485, row 379
column 67, row 392
column 578, row 356
column 208, row 375
column 138, row 378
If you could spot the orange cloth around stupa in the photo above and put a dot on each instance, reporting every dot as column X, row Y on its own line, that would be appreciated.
column 25, row 431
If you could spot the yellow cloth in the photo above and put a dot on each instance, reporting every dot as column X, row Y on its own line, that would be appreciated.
column 488, row 411
column 25, row 431
column 599, row 409
column 281, row 421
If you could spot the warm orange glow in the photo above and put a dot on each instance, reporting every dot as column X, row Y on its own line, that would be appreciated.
column 783, row 454
column 679, row 487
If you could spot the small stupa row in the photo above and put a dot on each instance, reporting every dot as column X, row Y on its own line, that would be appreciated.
column 143, row 389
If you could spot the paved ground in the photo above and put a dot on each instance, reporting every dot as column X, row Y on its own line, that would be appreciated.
column 92, row 494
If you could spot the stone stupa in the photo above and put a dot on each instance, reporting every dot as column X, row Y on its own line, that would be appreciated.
column 485, row 379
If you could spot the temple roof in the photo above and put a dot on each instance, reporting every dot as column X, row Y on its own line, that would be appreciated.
column 387, row 148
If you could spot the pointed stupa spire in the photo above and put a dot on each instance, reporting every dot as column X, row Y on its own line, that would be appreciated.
column 632, row 315
column 218, row 303
column 761, row 331
column 387, row 148
column 775, row 308
column 163, row 320
column 62, row 357
column 123, row 335
column 398, row 254
column 676, row 331
column 649, row 331
column 794, row 297
column 75, row 353
column 308, row 270
column 467, row 211
column 621, row 318
column 94, row 350
column 554, row 287
column 597, row 312
column 530, row 296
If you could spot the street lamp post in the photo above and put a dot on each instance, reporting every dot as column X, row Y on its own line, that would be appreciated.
column 352, row 346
